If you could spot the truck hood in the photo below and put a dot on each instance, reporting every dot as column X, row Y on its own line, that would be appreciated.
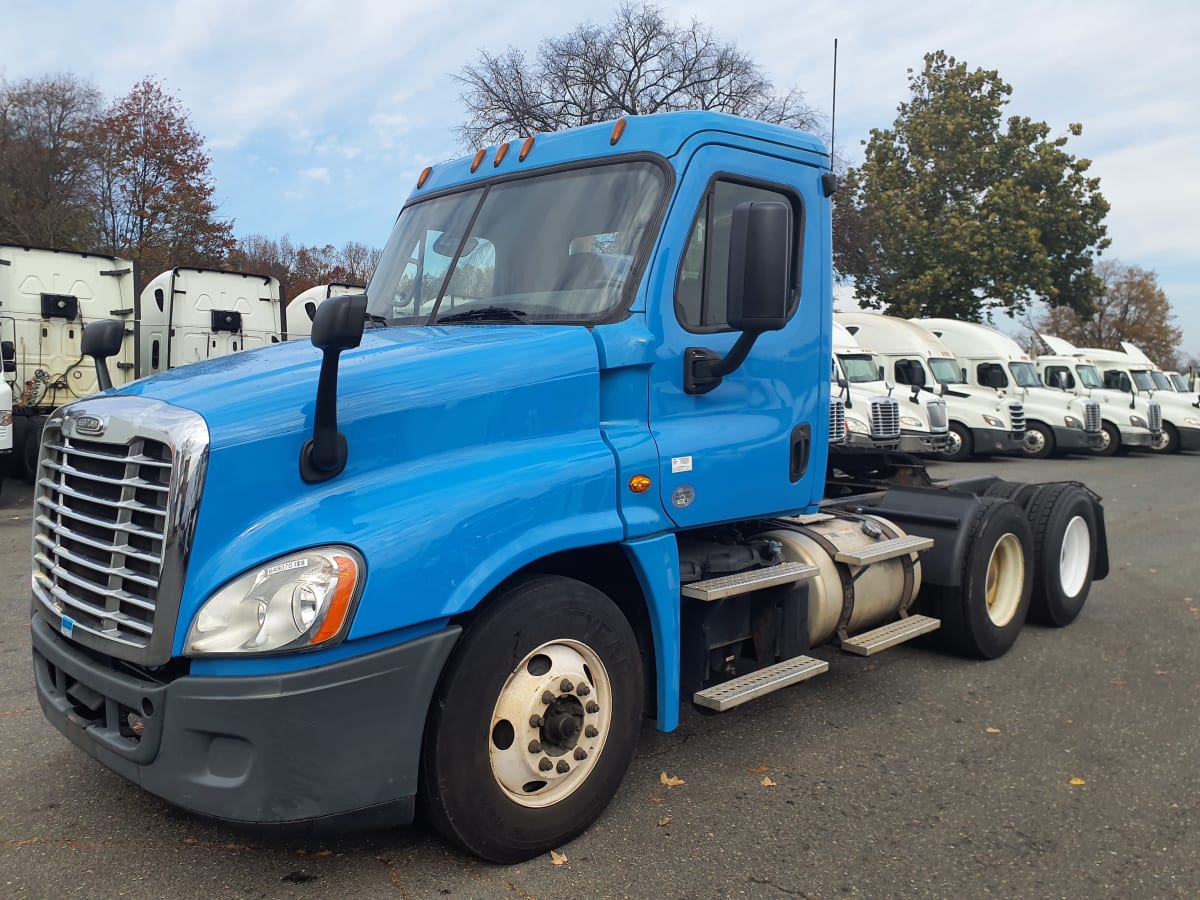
column 262, row 394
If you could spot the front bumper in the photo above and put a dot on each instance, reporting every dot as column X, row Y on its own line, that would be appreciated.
column 1137, row 438
column 854, row 439
column 335, row 745
column 1076, row 439
column 923, row 442
column 1189, row 438
column 992, row 440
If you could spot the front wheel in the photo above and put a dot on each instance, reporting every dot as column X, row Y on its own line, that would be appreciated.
column 961, row 446
column 535, row 720
column 1167, row 441
column 1039, row 441
column 1110, row 439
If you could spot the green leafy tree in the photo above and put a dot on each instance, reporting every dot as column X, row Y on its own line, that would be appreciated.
column 1131, row 307
column 956, row 212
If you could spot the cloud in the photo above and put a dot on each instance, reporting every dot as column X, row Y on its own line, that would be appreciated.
column 317, row 173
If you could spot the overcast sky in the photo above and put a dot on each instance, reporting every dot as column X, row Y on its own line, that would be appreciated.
column 319, row 116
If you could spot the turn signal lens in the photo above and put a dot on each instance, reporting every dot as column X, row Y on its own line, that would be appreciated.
column 639, row 484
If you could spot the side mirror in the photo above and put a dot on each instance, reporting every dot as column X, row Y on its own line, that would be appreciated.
column 100, row 341
column 758, row 297
column 337, row 326
column 8, row 353
column 1124, row 384
column 882, row 373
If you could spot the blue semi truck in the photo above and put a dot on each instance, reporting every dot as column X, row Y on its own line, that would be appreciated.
column 565, row 466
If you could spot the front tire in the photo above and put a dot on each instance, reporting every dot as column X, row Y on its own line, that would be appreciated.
column 961, row 445
column 1039, row 441
column 1111, row 441
column 534, row 722
column 1168, row 441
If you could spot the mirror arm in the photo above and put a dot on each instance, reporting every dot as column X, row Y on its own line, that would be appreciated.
column 703, row 369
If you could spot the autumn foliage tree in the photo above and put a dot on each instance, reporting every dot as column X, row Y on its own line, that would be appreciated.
column 154, row 191
column 957, row 212
column 299, row 267
column 636, row 64
column 1131, row 308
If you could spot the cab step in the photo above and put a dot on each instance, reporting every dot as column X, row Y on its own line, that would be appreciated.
column 884, row 550
column 890, row 635
column 756, row 684
column 745, row 582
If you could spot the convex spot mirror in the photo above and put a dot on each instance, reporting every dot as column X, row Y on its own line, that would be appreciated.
column 338, row 324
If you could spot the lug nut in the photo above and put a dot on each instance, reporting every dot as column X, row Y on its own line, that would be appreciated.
column 544, row 764
column 536, row 721
column 563, row 767
column 535, row 746
column 547, row 697
column 580, row 753
column 565, row 686
column 593, row 707
column 591, row 731
column 584, row 690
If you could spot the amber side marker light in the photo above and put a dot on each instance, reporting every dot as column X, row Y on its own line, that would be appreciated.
column 335, row 616
column 479, row 155
column 500, row 154
column 424, row 177
column 525, row 148
column 639, row 484
column 618, row 130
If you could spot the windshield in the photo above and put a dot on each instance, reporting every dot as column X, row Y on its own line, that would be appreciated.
column 552, row 248
column 1024, row 374
column 946, row 371
column 859, row 368
column 1143, row 380
column 1161, row 381
column 1180, row 382
column 1089, row 377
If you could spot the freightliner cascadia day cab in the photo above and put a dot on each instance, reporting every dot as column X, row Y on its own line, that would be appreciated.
column 1055, row 422
column 302, row 309
column 181, row 316
column 565, row 464
column 1129, row 418
column 914, row 423
column 982, row 420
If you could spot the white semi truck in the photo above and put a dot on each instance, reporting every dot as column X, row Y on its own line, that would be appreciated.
column 874, row 417
column 184, row 315
column 981, row 421
column 1055, row 422
column 302, row 309
column 1127, row 419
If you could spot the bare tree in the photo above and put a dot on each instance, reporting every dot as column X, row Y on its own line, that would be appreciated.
column 639, row 63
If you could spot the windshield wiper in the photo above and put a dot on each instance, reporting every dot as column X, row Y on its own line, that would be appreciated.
column 485, row 314
column 376, row 320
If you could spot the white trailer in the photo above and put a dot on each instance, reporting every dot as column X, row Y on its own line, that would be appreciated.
column 302, row 309
column 981, row 422
column 1055, row 422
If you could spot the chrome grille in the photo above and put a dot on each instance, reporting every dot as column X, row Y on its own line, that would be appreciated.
column 1154, row 413
column 938, row 420
column 99, row 528
column 1091, row 416
column 837, row 420
column 1016, row 414
column 885, row 418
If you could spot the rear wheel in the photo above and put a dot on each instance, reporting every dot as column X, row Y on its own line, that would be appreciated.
column 535, row 720
column 1039, row 440
column 1110, row 439
column 961, row 446
column 983, row 617
column 1063, row 520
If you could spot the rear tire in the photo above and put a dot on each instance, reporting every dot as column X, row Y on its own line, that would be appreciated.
column 983, row 617
column 492, row 779
column 961, row 445
column 1039, row 441
column 1111, row 442
column 1063, row 521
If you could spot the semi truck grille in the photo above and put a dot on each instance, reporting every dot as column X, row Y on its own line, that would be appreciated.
column 1016, row 412
column 1091, row 416
column 1155, row 416
column 938, row 420
column 115, row 506
column 100, row 525
column 837, row 420
column 885, row 418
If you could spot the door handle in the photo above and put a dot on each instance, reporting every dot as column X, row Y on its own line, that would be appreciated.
column 801, row 445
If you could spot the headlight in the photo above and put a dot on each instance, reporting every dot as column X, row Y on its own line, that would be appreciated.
column 910, row 422
column 1138, row 422
column 1073, row 422
column 857, row 425
column 5, row 418
column 994, row 422
column 295, row 602
column 1195, row 423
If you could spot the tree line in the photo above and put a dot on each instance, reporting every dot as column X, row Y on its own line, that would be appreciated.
column 131, row 178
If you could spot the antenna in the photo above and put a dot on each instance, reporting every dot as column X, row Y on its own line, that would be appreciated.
column 833, row 112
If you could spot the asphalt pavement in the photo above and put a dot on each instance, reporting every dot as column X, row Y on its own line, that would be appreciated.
column 1068, row 768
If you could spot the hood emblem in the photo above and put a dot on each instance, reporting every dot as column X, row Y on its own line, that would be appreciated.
column 90, row 426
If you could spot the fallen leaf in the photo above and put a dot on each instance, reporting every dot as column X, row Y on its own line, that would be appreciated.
column 1154, row 571
column 1077, row 782
column 670, row 780
column 656, row 799
column 758, row 770
column 1161, row 672
column 664, row 822
column 1194, row 610
column 767, row 782
column 1118, row 682
column 558, row 859
column 991, row 730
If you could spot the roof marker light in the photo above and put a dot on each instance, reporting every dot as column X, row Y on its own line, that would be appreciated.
column 500, row 154
column 424, row 177
column 479, row 155
column 525, row 148
column 618, row 130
